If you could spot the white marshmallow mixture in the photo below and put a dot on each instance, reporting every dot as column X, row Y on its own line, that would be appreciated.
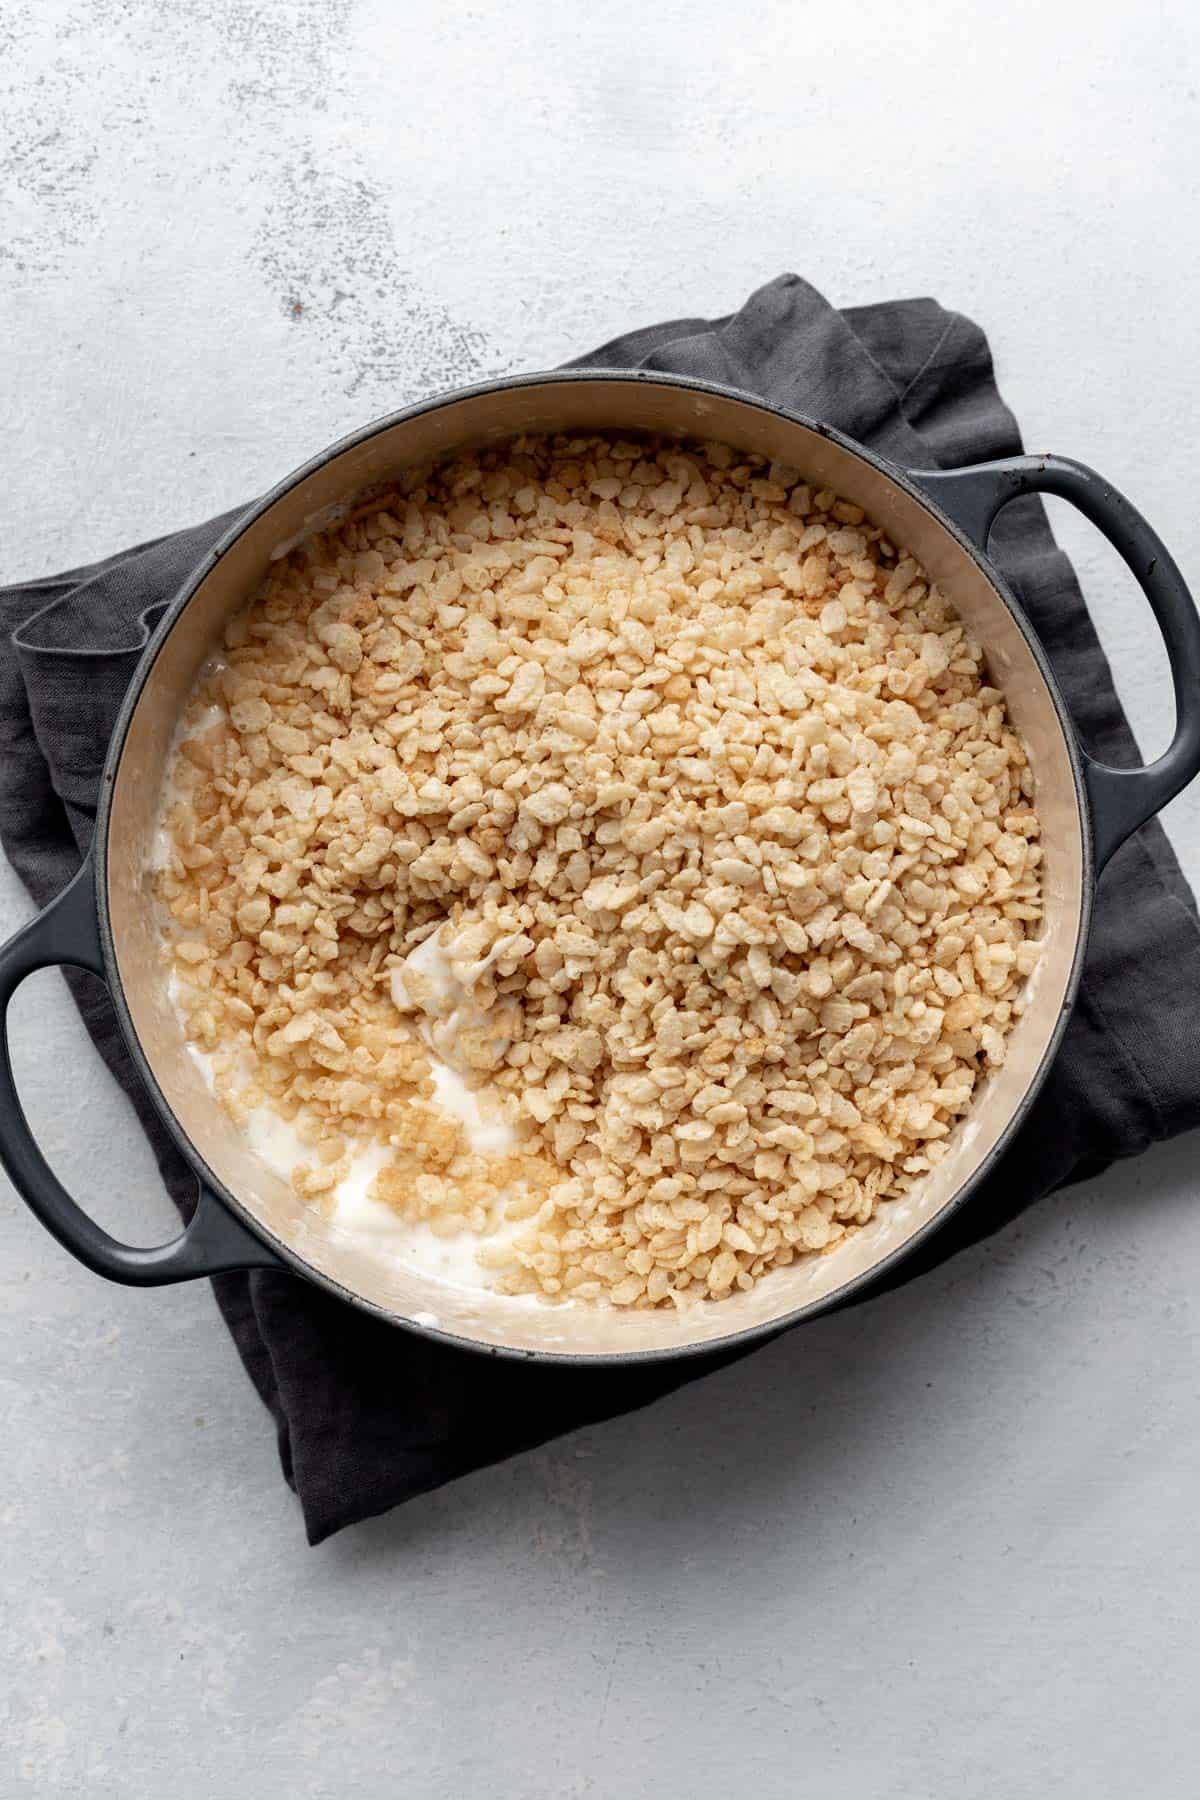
column 277, row 1141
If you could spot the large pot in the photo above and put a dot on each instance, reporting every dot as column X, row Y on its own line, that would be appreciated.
column 247, row 1216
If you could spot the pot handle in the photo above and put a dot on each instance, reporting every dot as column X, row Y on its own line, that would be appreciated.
column 1120, row 799
column 68, row 932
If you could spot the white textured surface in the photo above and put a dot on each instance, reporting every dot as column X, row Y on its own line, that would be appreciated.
column 942, row 1546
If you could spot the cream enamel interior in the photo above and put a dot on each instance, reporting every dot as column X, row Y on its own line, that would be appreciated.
column 622, row 404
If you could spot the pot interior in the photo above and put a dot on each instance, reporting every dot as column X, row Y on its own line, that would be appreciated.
column 554, row 404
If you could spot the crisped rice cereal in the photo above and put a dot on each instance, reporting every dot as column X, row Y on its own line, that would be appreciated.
column 727, row 839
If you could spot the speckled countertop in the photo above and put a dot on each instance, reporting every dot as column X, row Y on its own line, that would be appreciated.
column 941, row 1546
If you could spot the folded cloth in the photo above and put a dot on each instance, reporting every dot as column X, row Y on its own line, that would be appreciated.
column 369, row 1416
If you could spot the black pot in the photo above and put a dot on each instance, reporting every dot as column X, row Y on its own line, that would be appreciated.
column 105, row 921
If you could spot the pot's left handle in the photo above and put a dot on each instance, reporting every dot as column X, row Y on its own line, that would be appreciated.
column 214, row 1241
column 1121, row 799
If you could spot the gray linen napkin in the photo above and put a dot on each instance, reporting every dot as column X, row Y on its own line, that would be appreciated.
column 368, row 1416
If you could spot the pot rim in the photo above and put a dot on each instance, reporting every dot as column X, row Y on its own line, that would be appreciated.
column 719, row 1347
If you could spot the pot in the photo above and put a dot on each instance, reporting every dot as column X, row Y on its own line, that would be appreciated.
column 247, row 1216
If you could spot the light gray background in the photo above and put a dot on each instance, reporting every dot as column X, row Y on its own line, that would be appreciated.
column 943, row 1546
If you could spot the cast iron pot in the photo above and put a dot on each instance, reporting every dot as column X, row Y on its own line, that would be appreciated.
column 247, row 1217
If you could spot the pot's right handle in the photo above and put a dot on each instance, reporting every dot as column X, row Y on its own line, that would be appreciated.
column 214, row 1241
column 1121, row 799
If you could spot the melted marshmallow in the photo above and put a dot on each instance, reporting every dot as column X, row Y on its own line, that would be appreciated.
column 277, row 1141
column 278, row 1144
column 447, row 1012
